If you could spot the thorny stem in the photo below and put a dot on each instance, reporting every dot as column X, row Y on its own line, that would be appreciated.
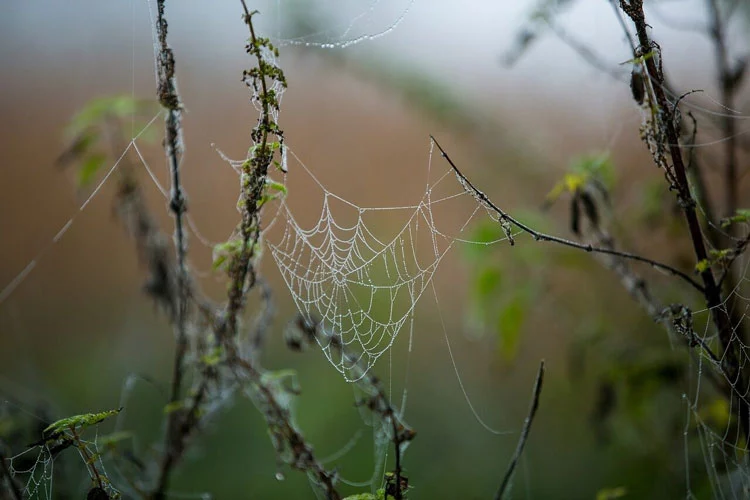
column 503, row 216
column 711, row 290
column 169, row 99
column 536, row 392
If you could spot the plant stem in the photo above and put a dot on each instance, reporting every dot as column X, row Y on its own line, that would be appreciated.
column 711, row 290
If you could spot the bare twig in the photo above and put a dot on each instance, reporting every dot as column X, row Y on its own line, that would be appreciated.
column 536, row 392
column 503, row 216
column 586, row 53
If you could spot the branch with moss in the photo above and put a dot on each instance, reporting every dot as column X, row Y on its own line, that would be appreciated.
column 254, row 170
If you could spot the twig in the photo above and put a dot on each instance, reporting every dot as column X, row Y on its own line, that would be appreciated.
column 588, row 55
column 537, row 391
column 538, row 236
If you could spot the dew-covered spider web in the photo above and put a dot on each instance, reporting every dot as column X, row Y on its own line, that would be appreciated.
column 363, row 271
column 361, row 284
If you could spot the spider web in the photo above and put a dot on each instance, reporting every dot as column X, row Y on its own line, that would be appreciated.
column 359, row 283
column 36, row 479
column 349, row 269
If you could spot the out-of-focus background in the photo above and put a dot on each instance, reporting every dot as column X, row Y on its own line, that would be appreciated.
column 360, row 118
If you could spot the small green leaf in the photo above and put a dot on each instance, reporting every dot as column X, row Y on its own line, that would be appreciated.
column 111, row 440
column 276, row 186
column 702, row 265
column 213, row 358
column 509, row 323
column 741, row 216
column 488, row 282
column 173, row 406
column 80, row 421
column 611, row 493
column 89, row 168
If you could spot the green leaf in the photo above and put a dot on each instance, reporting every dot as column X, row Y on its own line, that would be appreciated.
column 276, row 186
column 741, row 216
column 80, row 421
column 173, row 406
column 509, row 323
column 89, row 168
column 97, row 110
column 702, row 265
column 213, row 358
column 488, row 282
column 111, row 440
column 597, row 165
column 611, row 493
column 224, row 252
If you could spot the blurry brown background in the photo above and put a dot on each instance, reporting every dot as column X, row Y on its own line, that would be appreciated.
column 360, row 117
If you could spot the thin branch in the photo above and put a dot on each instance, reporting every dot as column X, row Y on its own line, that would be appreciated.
column 588, row 55
column 538, row 236
column 537, row 391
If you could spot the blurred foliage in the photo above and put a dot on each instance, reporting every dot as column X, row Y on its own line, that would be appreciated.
column 504, row 291
column 542, row 14
column 99, row 125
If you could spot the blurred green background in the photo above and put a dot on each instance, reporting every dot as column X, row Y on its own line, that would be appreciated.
column 78, row 326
